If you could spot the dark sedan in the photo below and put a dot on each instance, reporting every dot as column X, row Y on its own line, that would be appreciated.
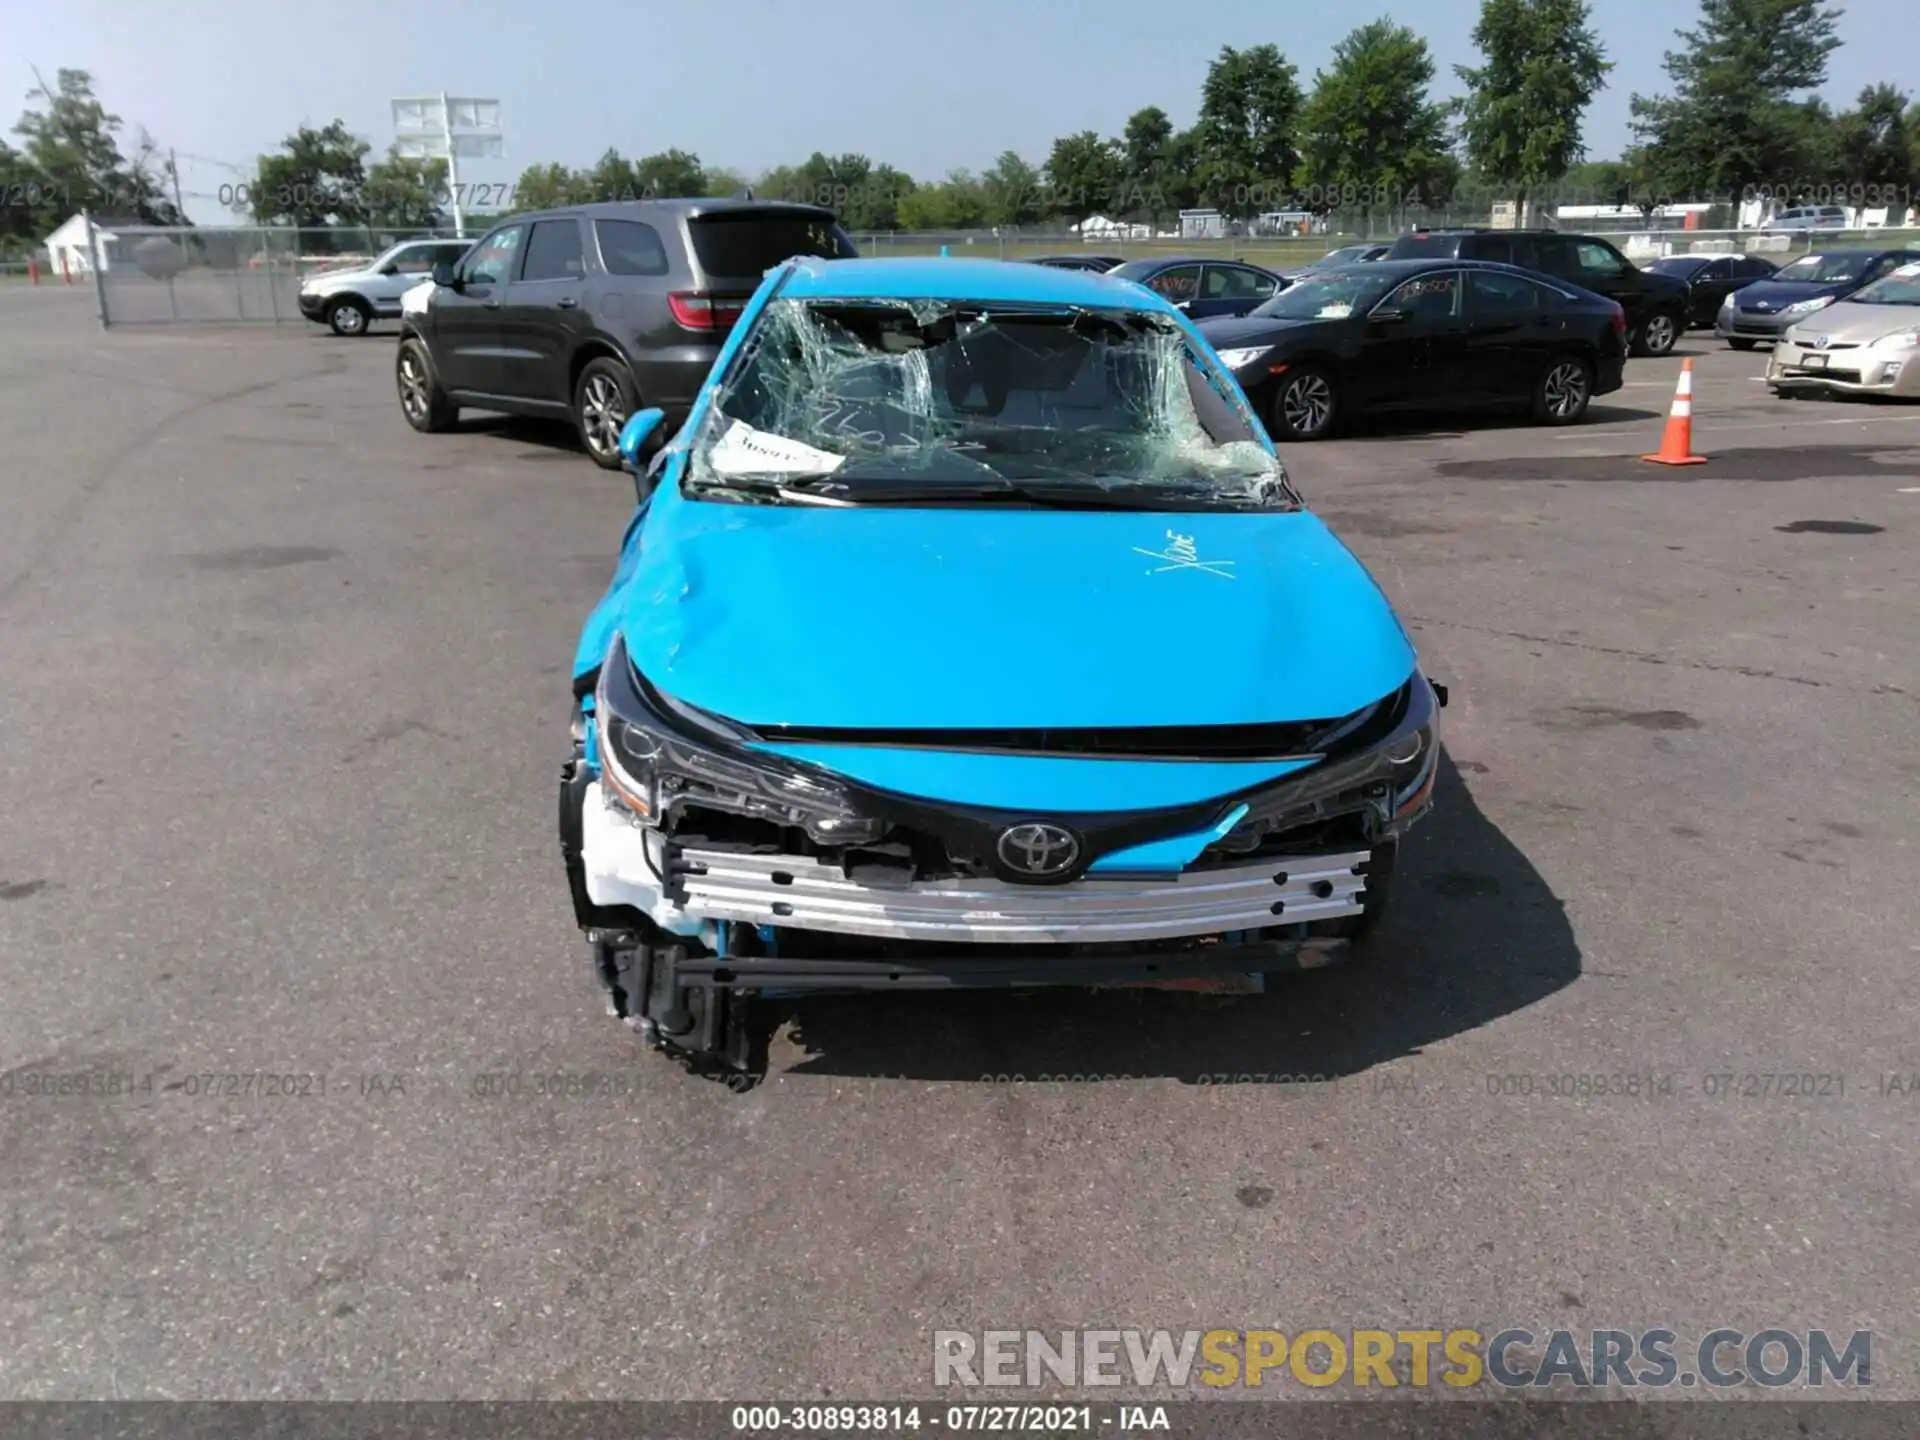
column 1767, row 308
column 1099, row 264
column 1338, row 260
column 1205, row 288
column 1422, row 334
column 1710, row 279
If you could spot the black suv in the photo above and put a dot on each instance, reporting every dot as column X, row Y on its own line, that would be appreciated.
column 1657, row 305
column 595, row 311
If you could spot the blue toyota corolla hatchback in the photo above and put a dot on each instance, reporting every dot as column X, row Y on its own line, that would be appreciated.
column 970, row 633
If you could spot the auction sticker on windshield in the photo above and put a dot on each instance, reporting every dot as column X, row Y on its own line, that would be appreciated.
column 743, row 450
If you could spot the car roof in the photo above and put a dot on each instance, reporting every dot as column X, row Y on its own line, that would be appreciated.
column 659, row 210
column 942, row 278
column 1162, row 261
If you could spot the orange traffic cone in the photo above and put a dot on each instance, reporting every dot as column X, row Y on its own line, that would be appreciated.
column 1676, row 446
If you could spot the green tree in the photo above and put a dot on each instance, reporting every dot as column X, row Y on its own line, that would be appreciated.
column 545, row 187
column 613, row 177
column 672, row 174
column 72, row 161
column 724, row 183
column 956, row 203
column 1083, row 176
column 405, row 193
column 1736, row 124
column 317, row 179
column 1542, row 64
column 1145, row 144
column 1369, row 135
column 1249, row 107
column 1874, row 148
column 1013, row 192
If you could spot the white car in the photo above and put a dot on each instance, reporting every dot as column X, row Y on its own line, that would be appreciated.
column 350, row 300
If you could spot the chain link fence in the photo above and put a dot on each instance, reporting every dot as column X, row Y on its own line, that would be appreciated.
column 153, row 275
column 149, row 275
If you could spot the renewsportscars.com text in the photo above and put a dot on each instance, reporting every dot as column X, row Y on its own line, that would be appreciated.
column 1457, row 1358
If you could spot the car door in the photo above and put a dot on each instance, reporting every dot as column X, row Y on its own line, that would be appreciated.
column 408, row 266
column 1711, row 284
column 1231, row 290
column 1511, row 326
column 1178, row 285
column 466, row 315
column 540, row 313
column 1412, row 336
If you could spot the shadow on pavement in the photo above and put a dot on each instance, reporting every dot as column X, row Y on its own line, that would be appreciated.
column 1474, row 933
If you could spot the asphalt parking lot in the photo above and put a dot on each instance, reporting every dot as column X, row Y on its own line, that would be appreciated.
column 284, row 696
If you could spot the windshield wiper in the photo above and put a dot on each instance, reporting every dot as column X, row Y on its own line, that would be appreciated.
column 1069, row 495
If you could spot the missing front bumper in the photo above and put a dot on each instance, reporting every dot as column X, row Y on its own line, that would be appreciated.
column 692, row 891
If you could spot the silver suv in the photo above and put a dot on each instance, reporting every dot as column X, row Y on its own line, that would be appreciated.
column 350, row 300
column 1810, row 217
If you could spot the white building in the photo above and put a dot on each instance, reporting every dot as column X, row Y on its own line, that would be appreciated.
column 67, row 247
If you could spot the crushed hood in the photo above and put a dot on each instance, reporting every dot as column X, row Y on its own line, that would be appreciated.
column 990, row 617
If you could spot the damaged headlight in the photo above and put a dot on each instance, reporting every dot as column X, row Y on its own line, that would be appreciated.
column 652, row 763
column 1383, row 760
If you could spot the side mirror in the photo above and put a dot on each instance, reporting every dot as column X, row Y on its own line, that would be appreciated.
column 445, row 274
column 642, row 424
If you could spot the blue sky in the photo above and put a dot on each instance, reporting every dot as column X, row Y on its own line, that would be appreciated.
column 753, row 83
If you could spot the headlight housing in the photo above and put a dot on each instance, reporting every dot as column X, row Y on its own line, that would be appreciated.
column 1899, row 340
column 1239, row 359
column 1807, row 307
column 1727, row 304
column 1384, row 761
column 654, row 756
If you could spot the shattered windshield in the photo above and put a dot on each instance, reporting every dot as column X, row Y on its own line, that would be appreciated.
column 935, row 401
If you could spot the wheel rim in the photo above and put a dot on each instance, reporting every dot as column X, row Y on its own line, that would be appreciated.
column 603, row 413
column 413, row 387
column 1659, row 333
column 1565, row 389
column 1306, row 404
column 349, row 319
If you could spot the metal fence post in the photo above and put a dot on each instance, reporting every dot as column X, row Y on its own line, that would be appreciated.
column 99, row 275
column 273, row 280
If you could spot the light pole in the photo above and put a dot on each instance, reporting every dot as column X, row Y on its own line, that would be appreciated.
column 450, row 128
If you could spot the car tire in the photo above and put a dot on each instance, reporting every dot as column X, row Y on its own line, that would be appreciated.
column 425, row 405
column 1306, row 403
column 1563, row 391
column 604, row 397
column 1741, row 344
column 349, row 316
column 1658, row 335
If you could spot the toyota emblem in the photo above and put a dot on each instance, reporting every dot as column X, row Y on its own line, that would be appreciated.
column 1042, row 851
column 1821, row 343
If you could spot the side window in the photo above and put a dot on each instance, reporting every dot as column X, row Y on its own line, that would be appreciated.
column 1885, row 265
column 414, row 260
column 1494, row 296
column 492, row 261
column 1750, row 269
column 1231, row 282
column 1427, row 297
column 1178, row 284
column 1599, row 261
column 630, row 247
column 1557, row 256
column 553, row 251
column 1718, row 270
column 1494, row 247
column 451, row 254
